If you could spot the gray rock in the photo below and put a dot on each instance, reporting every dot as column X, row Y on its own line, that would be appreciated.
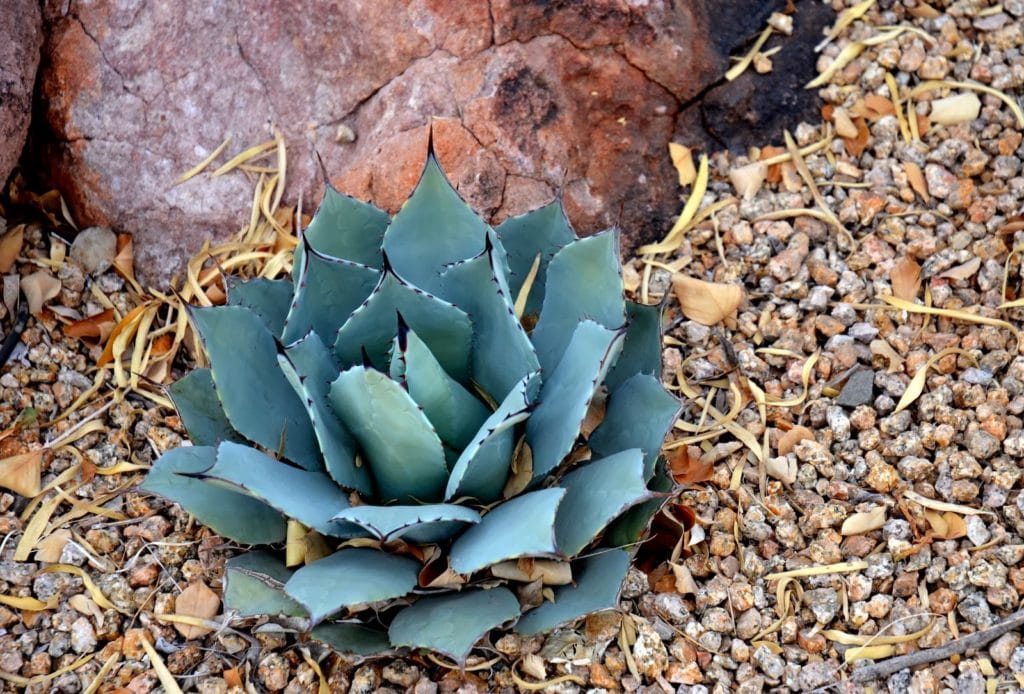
column 859, row 389
column 94, row 249
column 83, row 636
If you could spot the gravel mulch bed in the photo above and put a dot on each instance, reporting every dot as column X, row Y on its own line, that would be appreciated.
column 847, row 510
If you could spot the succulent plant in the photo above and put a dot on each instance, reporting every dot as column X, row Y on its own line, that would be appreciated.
column 386, row 412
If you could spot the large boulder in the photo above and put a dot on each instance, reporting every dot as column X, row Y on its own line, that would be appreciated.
column 528, row 100
column 21, row 36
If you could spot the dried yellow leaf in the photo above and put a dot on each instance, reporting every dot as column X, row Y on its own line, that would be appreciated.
column 915, row 177
column 851, row 51
column 943, row 505
column 845, row 19
column 162, row 673
column 682, row 159
column 741, row 67
column 198, row 168
column 838, row 568
column 917, row 383
column 873, row 639
column 708, row 303
column 860, row 523
column 868, row 653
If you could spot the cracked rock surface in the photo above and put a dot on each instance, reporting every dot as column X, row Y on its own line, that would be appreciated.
column 21, row 36
column 531, row 99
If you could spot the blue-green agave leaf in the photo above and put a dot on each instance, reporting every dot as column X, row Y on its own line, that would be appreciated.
column 426, row 524
column 639, row 414
column 254, row 585
column 521, row 527
column 434, row 228
column 195, row 398
column 542, row 231
column 268, row 299
column 641, row 354
column 591, row 263
column 327, row 291
column 400, row 444
column 309, row 497
column 372, row 327
column 484, row 465
column 309, row 366
column 455, row 413
column 451, row 624
column 352, row 638
column 595, row 495
column 257, row 398
column 566, row 393
column 598, row 583
column 229, row 513
column 631, row 525
column 344, row 227
column 502, row 353
column 351, row 577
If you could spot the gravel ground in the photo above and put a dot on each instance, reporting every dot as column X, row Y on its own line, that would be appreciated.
column 861, row 492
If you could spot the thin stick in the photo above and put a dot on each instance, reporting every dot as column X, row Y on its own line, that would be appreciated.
column 966, row 643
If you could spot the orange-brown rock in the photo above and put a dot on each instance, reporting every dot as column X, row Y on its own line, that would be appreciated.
column 531, row 99
column 21, row 35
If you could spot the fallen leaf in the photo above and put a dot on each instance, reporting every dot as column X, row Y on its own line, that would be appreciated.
column 666, row 538
column 946, row 526
column 856, row 145
column 963, row 272
column 747, row 180
column 233, row 677
column 124, row 258
column 789, row 440
column 878, row 106
column 39, row 287
column 595, row 413
column 916, row 180
column 93, row 329
column 706, row 302
column 944, row 505
column 860, row 523
column 917, row 383
column 957, row 108
column 10, row 247
column 868, row 653
column 689, row 466
column 197, row 600
column 682, row 159
column 50, row 547
column 905, row 278
column 549, row 571
column 22, row 474
column 684, row 583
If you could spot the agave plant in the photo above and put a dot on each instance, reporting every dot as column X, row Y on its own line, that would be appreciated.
column 387, row 413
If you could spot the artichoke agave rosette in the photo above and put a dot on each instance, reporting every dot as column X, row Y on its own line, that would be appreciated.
column 389, row 400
